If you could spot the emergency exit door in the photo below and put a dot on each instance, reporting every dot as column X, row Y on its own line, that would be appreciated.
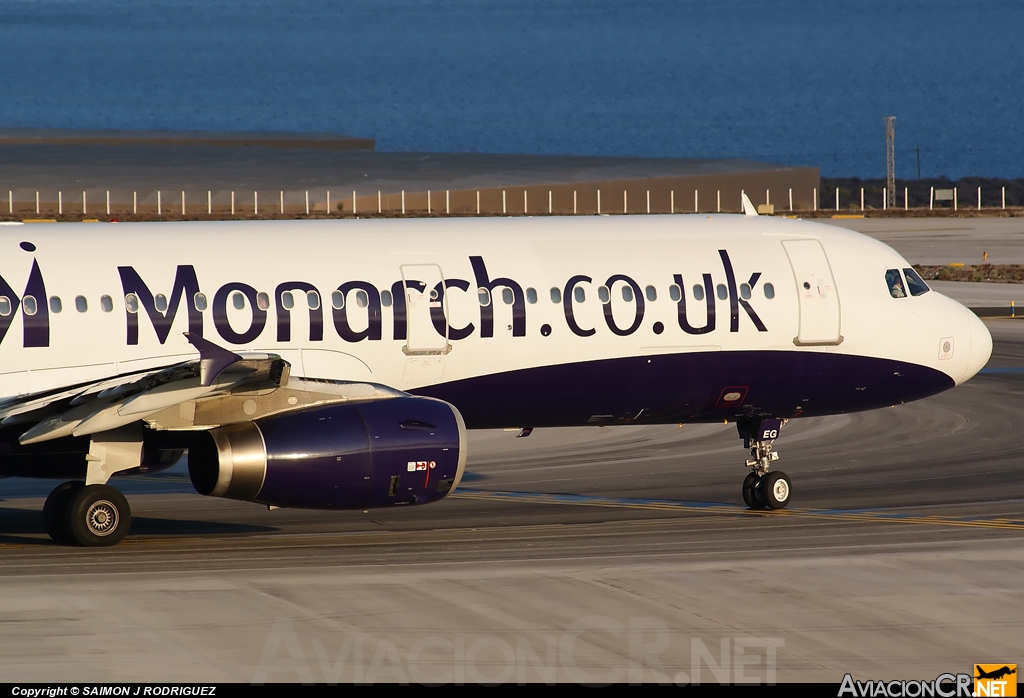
column 425, row 309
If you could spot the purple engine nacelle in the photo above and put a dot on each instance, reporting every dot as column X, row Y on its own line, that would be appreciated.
column 405, row 450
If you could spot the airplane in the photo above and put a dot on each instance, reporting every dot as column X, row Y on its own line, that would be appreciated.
column 338, row 364
column 996, row 673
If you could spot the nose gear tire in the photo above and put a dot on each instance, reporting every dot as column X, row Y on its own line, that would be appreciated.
column 775, row 490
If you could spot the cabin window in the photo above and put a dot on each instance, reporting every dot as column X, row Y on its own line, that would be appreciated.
column 338, row 300
column 160, row 301
column 507, row 296
column 769, row 291
column 698, row 292
column 579, row 294
column 106, row 304
column 313, row 300
column 745, row 291
column 627, row 293
column 483, row 296
column 915, row 282
column 531, row 295
column 199, row 301
column 287, row 300
column 674, row 292
column 602, row 294
column 723, row 292
column 55, row 305
column 894, row 282
column 238, row 300
column 5, row 306
column 385, row 299
column 81, row 304
column 556, row 295
column 263, row 301
column 362, row 300
column 434, row 295
column 652, row 293
column 29, row 305
column 131, row 303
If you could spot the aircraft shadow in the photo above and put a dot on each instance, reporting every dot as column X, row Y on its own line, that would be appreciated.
column 23, row 527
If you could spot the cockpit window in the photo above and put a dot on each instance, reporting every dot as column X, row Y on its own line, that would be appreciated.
column 894, row 282
column 915, row 283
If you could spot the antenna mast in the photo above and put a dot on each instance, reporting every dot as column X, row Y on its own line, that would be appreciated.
column 890, row 161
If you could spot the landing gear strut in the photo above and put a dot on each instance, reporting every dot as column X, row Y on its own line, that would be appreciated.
column 88, row 515
column 761, row 489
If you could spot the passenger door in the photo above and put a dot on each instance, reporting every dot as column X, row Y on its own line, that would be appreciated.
column 816, row 289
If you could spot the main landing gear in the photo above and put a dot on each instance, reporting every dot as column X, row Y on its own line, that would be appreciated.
column 763, row 489
column 88, row 515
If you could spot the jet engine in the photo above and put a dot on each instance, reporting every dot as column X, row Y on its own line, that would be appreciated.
column 357, row 455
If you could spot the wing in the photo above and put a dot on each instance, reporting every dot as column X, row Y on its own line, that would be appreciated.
column 219, row 387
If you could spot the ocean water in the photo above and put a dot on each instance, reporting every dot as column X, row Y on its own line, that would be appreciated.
column 805, row 82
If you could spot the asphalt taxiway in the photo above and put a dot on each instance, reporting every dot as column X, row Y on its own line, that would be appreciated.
column 598, row 555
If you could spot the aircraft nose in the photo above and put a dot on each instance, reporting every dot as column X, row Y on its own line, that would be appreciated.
column 981, row 346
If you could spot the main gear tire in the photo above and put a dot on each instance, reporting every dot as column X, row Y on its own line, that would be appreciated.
column 97, row 516
column 55, row 509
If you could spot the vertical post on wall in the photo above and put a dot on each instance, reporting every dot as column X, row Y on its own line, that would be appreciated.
column 428, row 201
column 307, row 202
column 791, row 198
column 329, row 202
column 37, row 202
column 159, row 206
column 672, row 201
column 232, row 203
column 574, row 202
column 526, row 208
column 183, row 202
column 599, row 202
column 906, row 198
column 478, row 202
column 696, row 206
column 549, row 201
column 742, row 194
column 282, row 202
column 718, row 197
column 108, row 202
column 814, row 199
column 10, row 201
column 60, row 203
column 255, row 203
column 353, row 203
column 837, row 198
column 504, row 208
column 862, row 199
column 403, row 202
column 380, row 208
column 209, row 202
column 135, row 202
column 447, row 201
column 956, row 202
column 931, row 199
column 625, row 202
column 648, row 201
column 767, row 196
column 1004, row 197
column 84, row 204
column 979, row 198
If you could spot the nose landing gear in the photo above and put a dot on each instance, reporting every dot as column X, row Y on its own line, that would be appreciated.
column 761, row 489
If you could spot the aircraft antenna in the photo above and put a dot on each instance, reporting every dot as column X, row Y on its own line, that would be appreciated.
column 890, row 161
